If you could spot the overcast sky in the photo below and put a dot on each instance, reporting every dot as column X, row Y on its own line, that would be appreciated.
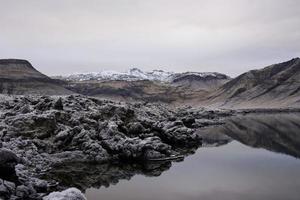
column 228, row 36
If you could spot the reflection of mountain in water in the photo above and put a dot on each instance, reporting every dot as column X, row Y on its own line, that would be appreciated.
column 278, row 133
column 84, row 176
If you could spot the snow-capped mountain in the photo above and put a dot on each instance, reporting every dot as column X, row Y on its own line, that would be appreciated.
column 137, row 74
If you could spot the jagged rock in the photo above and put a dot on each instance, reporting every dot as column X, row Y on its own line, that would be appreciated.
column 88, row 130
column 63, row 135
column 69, row 194
column 152, row 154
column 7, row 189
column 25, row 109
column 189, row 122
column 4, row 192
column 8, row 160
column 22, row 191
column 135, row 128
column 58, row 105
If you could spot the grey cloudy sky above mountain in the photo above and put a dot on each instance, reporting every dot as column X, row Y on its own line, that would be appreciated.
column 229, row 36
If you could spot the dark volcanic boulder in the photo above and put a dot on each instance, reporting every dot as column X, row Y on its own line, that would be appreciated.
column 7, row 189
column 8, row 160
column 58, row 105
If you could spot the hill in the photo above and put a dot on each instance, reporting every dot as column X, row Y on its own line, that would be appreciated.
column 20, row 77
column 276, row 85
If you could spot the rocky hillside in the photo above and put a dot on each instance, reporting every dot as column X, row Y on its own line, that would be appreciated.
column 200, row 81
column 20, row 77
column 277, row 85
column 141, row 90
column 13, row 69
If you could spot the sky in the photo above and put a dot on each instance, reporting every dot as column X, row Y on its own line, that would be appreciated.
column 227, row 36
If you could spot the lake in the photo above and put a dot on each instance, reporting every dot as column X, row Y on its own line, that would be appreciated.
column 259, row 162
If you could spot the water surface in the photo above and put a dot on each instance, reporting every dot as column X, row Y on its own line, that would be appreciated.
column 260, row 163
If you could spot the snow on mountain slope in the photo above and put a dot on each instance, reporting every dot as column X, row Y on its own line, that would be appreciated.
column 135, row 74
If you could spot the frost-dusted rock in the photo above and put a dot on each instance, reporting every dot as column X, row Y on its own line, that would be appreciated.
column 135, row 128
column 88, row 131
column 32, row 125
column 7, row 189
column 189, row 121
column 22, row 191
column 69, row 194
column 63, row 135
column 4, row 192
column 152, row 154
column 44, row 104
column 8, row 159
column 58, row 105
column 176, row 133
column 25, row 109
column 10, row 186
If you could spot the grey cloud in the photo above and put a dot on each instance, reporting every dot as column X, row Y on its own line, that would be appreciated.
column 64, row 36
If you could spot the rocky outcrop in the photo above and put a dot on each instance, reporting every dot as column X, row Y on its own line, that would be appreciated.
column 8, row 161
column 49, row 132
column 69, row 194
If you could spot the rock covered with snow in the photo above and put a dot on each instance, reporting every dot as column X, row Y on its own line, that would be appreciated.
column 69, row 194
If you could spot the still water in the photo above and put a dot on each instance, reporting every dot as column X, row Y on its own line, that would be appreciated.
column 259, row 163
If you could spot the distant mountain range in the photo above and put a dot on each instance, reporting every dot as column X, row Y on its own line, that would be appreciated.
column 136, row 74
column 135, row 84
column 277, row 85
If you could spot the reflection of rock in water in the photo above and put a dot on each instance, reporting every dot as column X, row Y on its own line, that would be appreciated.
column 84, row 176
column 211, row 137
column 276, row 132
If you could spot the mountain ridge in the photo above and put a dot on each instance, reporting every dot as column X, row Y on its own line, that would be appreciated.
column 135, row 74
column 278, row 83
column 18, row 69
column 19, row 77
